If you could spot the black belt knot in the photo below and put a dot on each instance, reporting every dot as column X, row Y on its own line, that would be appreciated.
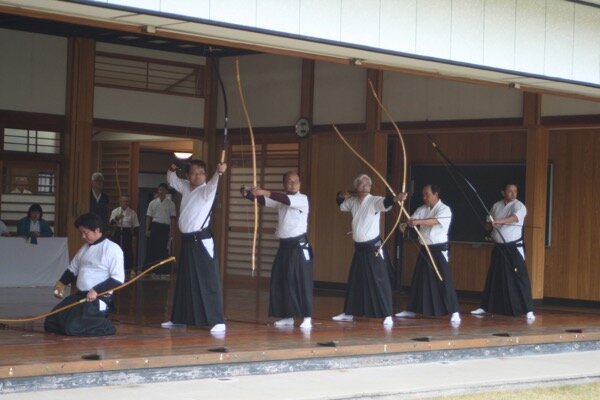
column 300, row 240
column 437, row 246
column 372, row 244
column 196, row 236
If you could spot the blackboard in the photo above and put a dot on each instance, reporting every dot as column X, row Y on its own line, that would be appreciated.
column 487, row 179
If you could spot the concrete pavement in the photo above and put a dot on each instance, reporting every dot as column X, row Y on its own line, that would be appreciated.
column 401, row 381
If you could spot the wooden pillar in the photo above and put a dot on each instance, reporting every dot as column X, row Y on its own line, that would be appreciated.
column 535, row 192
column 78, row 142
column 307, row 94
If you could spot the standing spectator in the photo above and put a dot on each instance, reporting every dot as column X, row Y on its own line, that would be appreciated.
column 126, row 225
column 98, row 199
column 159, row 228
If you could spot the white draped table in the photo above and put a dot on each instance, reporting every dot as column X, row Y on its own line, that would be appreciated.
column 24, row 264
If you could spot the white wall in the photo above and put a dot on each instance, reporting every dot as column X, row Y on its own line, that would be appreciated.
column 556, row 38
column 560, row 106
column 145, row 107
column 271, row 86
column 413, row 98
column 33, row 72
column 340, row 94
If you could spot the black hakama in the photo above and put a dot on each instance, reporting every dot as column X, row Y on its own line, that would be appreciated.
column 507, row 286
column 428, row 295
column 124, row 238
column 198, row 297
column 369, row 290
column 291, row 279
column 85, row 319
column 157, row 246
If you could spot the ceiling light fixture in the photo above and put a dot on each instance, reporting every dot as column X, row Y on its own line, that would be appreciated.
column 182, row 155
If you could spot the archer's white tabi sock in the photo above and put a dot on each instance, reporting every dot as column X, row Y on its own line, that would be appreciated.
column 169, row 325
column 455, row 317
column 406, row 314
column 530, row 316
column 218, row 328
column 343, row 317
column 479, row 311
column 307, row 323
column 388, row 321
column 285, row 322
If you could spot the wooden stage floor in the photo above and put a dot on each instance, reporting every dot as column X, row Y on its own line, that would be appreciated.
column 140, row 344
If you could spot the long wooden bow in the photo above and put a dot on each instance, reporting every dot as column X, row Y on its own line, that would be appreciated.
column 59, row 310
column 404, row 161
column 402, row 210
column 254, row 180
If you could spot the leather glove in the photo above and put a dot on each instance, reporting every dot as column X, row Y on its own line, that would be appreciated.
column 59, row 290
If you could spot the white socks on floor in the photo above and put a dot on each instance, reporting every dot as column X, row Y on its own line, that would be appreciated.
column 169, row 325
column 455, row 318
column 307, row 323
column 530, row 316
column 388, row 321
column 479, row 311
column 406, row 314
column 218, row 328
column 343, row 318
column 284, row 322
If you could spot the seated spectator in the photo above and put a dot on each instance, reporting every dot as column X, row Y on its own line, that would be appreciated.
column 33, row 225
column 3, row 229
column 21, row 183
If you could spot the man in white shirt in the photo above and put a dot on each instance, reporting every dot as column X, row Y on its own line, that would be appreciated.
column 160, row 219
column 507, row 287
column 369, row 290
column 291, row 275
column 96, row 268
column 125, row 224
column 428, row 295
column 198, row 297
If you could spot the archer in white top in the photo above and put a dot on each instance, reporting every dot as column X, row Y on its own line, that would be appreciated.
column 434, row 222
column 508, row 217
column 197, row 197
